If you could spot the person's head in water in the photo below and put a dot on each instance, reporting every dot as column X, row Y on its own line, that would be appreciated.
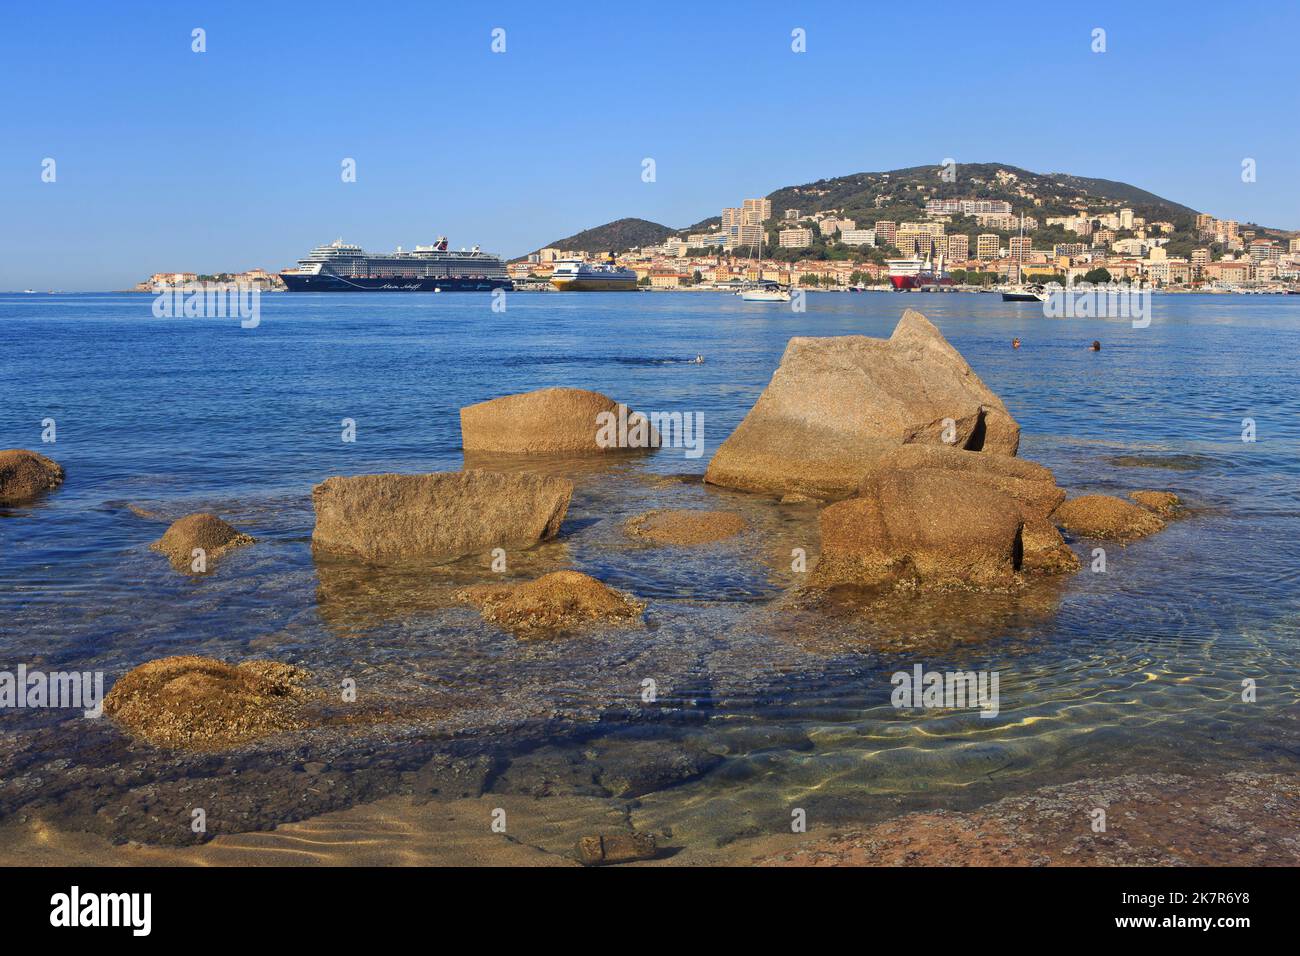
column 1015, row 343
column 1095, row 346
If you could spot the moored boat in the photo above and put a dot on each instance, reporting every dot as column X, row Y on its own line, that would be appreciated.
column 575, row 275
column 1024, row 293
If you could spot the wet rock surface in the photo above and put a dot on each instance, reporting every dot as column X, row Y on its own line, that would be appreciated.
column 1164, row 503
column 202, row 532
column 556, row 602
column 201, row 703
column 26, row 475
column 1107, row 517
column 685, row 527
column 1043, row 550
column 609, row 848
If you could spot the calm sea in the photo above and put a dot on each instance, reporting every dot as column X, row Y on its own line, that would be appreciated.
column 1136, row 669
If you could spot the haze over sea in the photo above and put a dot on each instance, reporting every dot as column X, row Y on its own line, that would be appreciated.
column 1139, row 668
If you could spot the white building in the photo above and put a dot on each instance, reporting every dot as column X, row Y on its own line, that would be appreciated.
column 858, row 237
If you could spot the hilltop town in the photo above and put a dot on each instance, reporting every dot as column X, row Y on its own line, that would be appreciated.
column 1114, row 246
column 992, row 225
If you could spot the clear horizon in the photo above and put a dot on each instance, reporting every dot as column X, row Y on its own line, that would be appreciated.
column 229, row 159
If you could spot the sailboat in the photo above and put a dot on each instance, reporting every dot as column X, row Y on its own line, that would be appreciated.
column 764, row 293
column 1021, row 291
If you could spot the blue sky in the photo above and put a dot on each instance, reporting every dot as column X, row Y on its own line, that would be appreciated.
column 229, row 159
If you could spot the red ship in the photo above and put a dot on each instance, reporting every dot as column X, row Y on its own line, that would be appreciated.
column 908, row 274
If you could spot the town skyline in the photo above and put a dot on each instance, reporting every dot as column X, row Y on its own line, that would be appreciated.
column 1052, row 229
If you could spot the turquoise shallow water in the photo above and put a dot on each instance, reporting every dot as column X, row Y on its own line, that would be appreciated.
column 1139, row 668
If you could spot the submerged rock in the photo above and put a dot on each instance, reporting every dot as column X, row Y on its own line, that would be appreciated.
column 636, row 769
column 685, row 527
column 559, row 601
column 1163, row 503
column 204, row 532
column 835, row 405
column 924, row 527
column 25, row 475
column 616, row 848
column 552, row 421
column 1104, row 516
column 795, row 498
column 436, row 517
column 1170, row 462
column 203, row 703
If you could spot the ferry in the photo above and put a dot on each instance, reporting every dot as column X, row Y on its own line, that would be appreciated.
column 574, row 275
column 343, row 267
column 913, row 273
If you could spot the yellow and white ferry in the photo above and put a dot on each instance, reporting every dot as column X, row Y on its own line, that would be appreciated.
column 574, row 275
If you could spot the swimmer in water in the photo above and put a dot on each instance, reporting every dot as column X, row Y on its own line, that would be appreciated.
column 699, row 360
column 1015, row 343
column 1095, row 346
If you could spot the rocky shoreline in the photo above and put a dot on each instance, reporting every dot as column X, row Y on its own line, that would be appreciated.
column 907, row 459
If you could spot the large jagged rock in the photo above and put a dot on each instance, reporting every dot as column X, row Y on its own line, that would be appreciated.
column 437, row 517
column 205, row 704
column 198, row 531
column 837, row 404
column 553, row 421
column 560, row 601
column 1104, row 516
column 923, row 527
column 25, row 475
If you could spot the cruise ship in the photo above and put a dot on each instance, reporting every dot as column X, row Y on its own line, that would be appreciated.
column 343, row 267
column 574, row 275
